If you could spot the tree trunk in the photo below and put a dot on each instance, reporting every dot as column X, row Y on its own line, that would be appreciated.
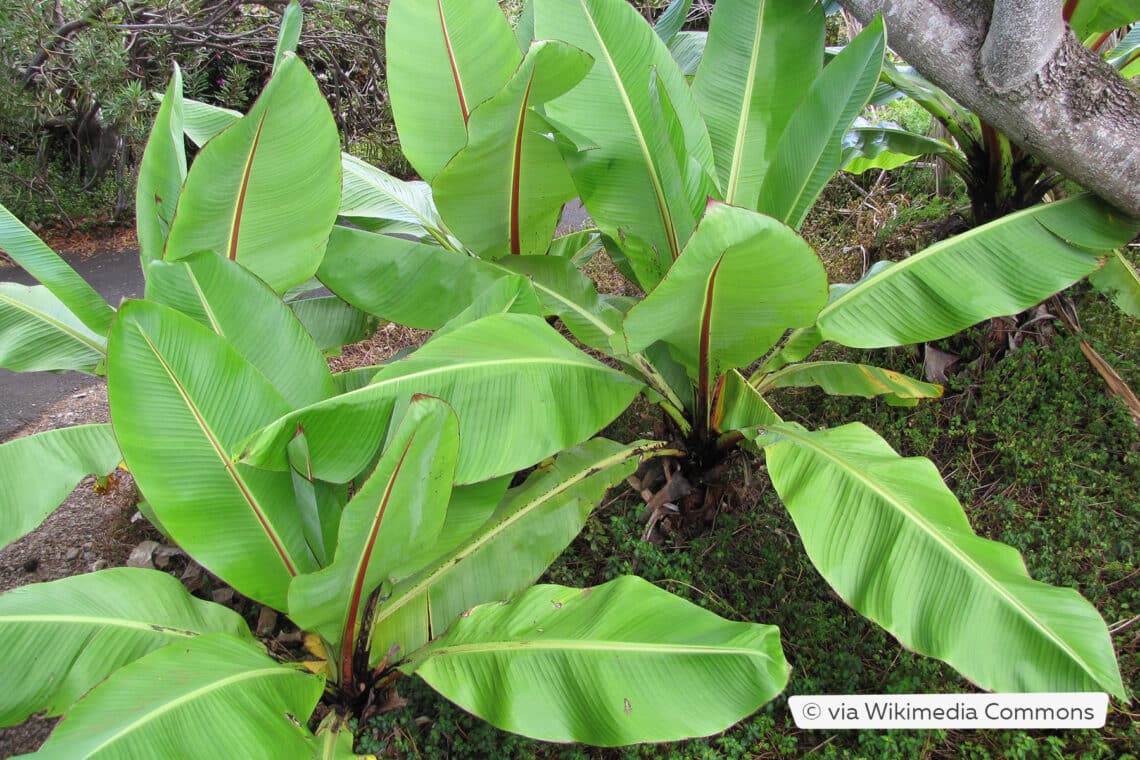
column 1027, row 75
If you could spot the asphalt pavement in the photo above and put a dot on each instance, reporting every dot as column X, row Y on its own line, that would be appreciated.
column 24, row 396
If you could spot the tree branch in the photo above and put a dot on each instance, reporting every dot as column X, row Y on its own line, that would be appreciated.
column 1072, row 110
column 1011, row 56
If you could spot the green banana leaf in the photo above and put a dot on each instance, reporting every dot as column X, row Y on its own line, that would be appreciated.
column 524, row 27
column 687, row 49
column 887, row 146
column 810, row 150
column 289, row 35
column 999, row 268
column 396, row 514
column 892, row 540
column 95, row 623
column 370, row 197
column 182, row 400
column 963, row 125
column 572, row 296
column 619, row 663
column 1125, row 57
column 320, row 504
column 503, row 192
column 486, row 556
column 847, row 379
column 672, row 19
column 402, row 280
column 335, row 739
column 333, row 323
column 225, row 297
column 161, row 173
column 579, row 247
column 59, row 459
column 212, row 696
column 41, row 262
column 509, row 295
column 445, row 57
column 739, row 405
column 760, row 61
column 487, row 371
column 265, row 191
column 1119, row 281
column 797, row 346
column 1095, row 16
column 376, row 201
column 39, row 333
column 742, row 280
column 203, row 121
column 627, row 175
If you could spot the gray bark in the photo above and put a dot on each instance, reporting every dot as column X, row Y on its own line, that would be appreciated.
column 1030, row 78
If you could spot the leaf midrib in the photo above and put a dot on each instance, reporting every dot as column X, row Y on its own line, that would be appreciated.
column 737, row 167
column 602, row 646
column 635, row 123
column 222, row 456
column 100, row 621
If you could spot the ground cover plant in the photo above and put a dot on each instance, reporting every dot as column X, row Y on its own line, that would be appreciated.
column 223, row 242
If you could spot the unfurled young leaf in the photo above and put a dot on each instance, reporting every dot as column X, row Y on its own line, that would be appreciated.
column 746, row 88
column 161, row 173
column 627, row 176
column 810, row 150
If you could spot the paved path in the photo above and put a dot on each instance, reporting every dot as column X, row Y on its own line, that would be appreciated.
column 24, row 396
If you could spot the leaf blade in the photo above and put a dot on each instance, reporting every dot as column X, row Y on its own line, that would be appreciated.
column 890, row 537
column 592, row 665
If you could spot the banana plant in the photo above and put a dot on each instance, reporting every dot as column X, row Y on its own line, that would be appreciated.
column 403, row 553
column 697, row 188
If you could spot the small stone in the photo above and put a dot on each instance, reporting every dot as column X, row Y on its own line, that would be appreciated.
column 81, row 394
column 31, row 565
column 100, row 564
column 192, row 577
column 223, row 595
column 71, row 554
column 141, row 555
column 164, row 554
column 266, row 620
